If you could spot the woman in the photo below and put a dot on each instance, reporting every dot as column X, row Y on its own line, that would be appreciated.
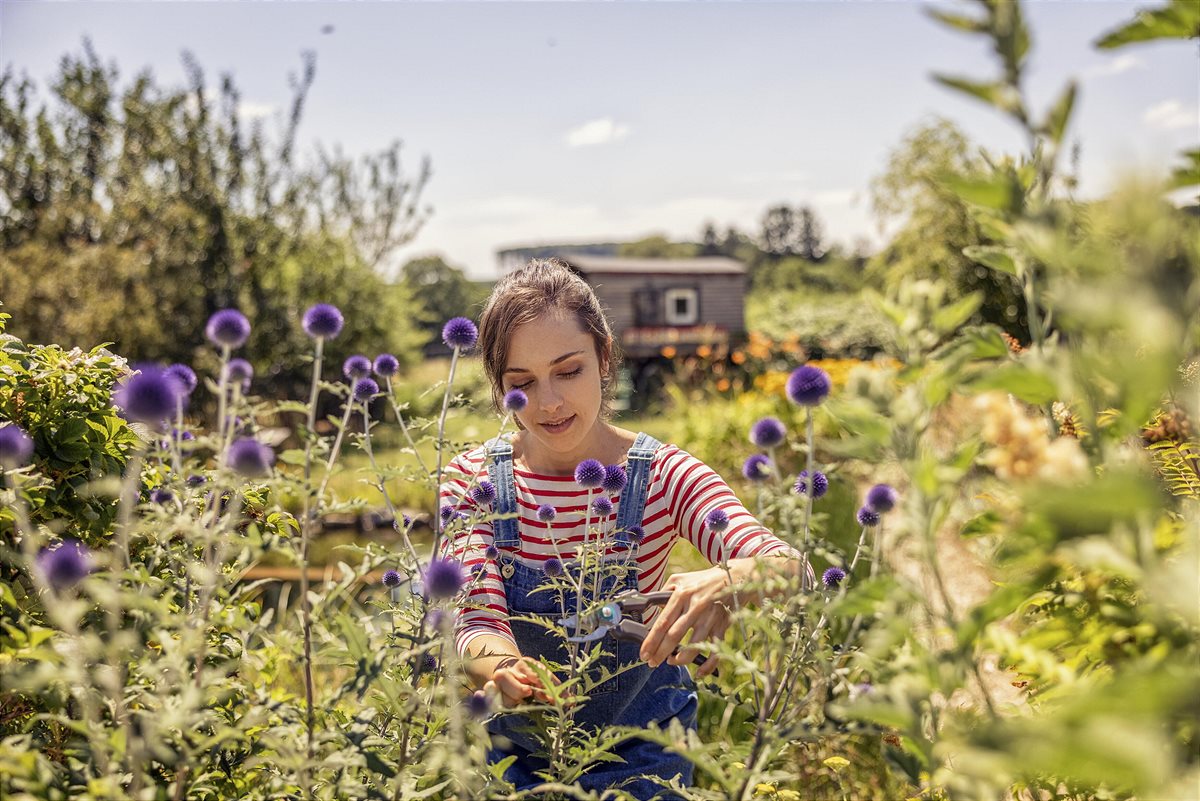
column 543, row 332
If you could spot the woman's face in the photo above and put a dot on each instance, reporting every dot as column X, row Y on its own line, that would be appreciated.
column 553, row 361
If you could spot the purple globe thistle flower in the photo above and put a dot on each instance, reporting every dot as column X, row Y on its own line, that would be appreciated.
column 161, row 495
column 65, row 565
column 833, row 577
column 391, row 579
column 476, row 570
column 808, row 385
column 867, row 517
column 882, row 498
column 820, row 484
column 386, row 365
column 250, row 457
column 186, row 377
column 717, row 520
column 767, row 432
column 492, row 552
column 429, row 663
column 589, row 474
column 553, row 567
column 515, row 401
column 636, row 533
column 356, row 367
column 478, row 705
column 614, row 479
column 443, row 578
column 447, row 513
column 323, row 321
column 484, row 493
column 602, row 505
column 16, row 447
column 365, row 389
column 757, row 467
column 546, row 513
column 150, row 396
column 460, row 333
column 227, row 328
column 239, row 371
column 195, row 480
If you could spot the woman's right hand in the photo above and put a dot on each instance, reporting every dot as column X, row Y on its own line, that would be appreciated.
column 516, row 682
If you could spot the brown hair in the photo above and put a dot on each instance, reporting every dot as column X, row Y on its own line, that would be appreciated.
column 524, row 295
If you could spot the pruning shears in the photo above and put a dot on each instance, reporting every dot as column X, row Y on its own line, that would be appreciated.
column 621, row 617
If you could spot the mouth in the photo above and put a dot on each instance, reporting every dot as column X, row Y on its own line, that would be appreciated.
column 558, row 426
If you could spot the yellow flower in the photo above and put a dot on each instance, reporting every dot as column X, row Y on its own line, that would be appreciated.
column 787, row 795
column 764, row 789
column 836, row 762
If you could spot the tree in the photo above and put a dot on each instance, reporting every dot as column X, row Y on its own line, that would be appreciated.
column 442, row 292
column 810, row 246
column 937, row 224
column 657, row 247
column 131, row 216
column 779, row 232
column 710, row 241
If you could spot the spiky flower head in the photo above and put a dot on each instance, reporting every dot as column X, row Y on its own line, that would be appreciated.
column 636, row 533
column 250, row 457
column 323, row 321
column 365, row 389
column 867, row 517
column 614, row 479
column 392, row 578
column 478, row 705
column 443, row 578
column 767, row 432
column 65, row 565
column 492, row 552
column 195, row 480
column 552, row 567
column 356, row 367
column 239, row 371
column 515, row 400
column 16, row 447
column 757, row 467
column 227, row 328
column 717, row 520
column 459, row 332
column 484, row 493
column 161, row 495
column 150, row 396
column 589, row 474
column 546, row 513
column 882, row 498
column 833, row 577
column 386, row 365
column 446, row 513
column 602, row 505
column 186, row 377
column 820, row 484
column 429, row 663
column 808, row 385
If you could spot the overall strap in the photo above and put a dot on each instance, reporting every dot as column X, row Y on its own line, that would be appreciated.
column 633, row 497
column 506, row 534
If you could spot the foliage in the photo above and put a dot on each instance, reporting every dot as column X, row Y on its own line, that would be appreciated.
column 441, row 292
column 657, row 247
column 158, row 199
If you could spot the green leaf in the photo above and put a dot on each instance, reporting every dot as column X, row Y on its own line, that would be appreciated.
column 73, row 430
column 997, row 94
column 958, row 21
column 1056, row 121
column 996, row 192
column 1188, row 174
column 1118, row 496
column 1179, row 20
column 985, row 523
column 998, row 258
column 1021, row 381
column 292, row 456
column 950, row 318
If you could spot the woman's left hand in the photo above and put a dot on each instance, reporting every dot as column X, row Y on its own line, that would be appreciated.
column 698, row 604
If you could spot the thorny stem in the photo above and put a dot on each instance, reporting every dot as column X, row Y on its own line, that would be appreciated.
column 306, row 522
column 397, row 519
column 441, row 447
column 404, row 426
column 808, row 491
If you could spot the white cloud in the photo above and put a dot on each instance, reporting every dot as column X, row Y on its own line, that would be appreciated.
column 836, row 197
column 1115, row 66
column 250, row 110
column 1171, row 115
column 597, row 132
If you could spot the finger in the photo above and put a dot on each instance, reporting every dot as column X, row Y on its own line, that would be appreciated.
column 708, row 667
column 513, row 690
column 700, row 633
column 652, row 644
column 675, row 633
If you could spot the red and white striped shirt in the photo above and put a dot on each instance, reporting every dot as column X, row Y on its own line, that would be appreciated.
column 681, row 491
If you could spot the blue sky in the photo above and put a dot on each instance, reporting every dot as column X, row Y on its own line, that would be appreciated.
column 586, row 121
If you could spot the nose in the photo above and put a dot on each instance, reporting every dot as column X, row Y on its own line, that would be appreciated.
column 549, row 399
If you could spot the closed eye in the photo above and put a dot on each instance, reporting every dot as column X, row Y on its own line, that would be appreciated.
column 571, row 374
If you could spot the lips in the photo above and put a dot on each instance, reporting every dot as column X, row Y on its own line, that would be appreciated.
column 558, row 426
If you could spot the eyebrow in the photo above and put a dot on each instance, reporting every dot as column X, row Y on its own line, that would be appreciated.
column 562, row 358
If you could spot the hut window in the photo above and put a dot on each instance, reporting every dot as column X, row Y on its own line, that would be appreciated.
column 683, row 306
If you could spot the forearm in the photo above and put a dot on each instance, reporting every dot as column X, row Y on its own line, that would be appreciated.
column 485, row 654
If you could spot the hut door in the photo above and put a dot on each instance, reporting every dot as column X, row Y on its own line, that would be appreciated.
column 647, row 307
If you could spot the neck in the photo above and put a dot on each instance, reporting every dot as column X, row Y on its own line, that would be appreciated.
column 600, row 443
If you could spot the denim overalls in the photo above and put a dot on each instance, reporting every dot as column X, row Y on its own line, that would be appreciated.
column 637, row 696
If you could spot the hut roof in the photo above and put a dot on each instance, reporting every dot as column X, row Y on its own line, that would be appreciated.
column 709, row 265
